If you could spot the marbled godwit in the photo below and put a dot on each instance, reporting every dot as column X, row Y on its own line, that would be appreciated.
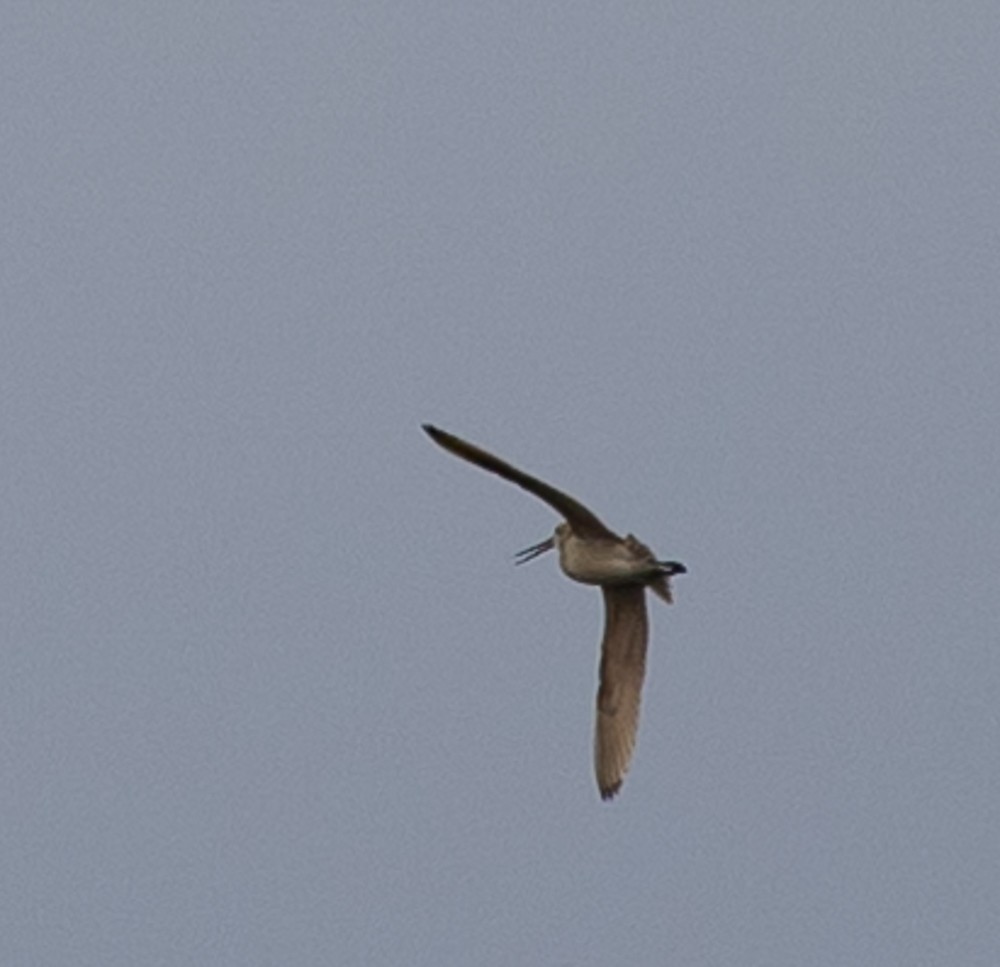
column 624, row 567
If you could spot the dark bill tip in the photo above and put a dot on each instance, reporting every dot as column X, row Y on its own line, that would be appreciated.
column 530, row 553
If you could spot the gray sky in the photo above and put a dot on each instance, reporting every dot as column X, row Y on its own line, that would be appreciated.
column 272, row 691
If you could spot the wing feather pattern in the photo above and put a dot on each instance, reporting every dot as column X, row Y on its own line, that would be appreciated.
column 623, row 667
column 583, row 521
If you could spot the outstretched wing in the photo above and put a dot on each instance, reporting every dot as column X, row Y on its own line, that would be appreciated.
column 623, row 667
column 584, row 522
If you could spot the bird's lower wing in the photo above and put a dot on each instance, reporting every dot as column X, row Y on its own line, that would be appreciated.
column 583, row 521
column 623, row 667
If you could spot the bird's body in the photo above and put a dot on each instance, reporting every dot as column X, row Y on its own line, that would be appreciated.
column 606, row 560
column 623, row 567
column 597, row 561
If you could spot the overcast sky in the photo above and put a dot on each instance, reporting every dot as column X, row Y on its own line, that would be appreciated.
column 272, row 692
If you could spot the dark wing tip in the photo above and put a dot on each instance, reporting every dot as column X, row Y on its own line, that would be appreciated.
column 609, row 792
column 448, row 441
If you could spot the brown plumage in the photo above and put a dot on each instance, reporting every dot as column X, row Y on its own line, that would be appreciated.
column 623, row 567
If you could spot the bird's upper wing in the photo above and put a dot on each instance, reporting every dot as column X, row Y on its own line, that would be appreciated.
column 584, row 522
column 623, row 666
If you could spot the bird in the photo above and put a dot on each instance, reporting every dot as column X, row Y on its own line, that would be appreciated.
column 623, row 567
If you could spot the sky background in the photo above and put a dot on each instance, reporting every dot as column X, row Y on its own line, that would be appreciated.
column 272, row 692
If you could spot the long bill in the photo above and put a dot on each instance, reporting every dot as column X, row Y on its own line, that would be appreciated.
column 536, row 550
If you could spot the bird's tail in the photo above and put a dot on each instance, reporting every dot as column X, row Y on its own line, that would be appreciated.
column 660, row 585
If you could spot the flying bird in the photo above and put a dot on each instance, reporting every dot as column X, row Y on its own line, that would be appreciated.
column 623, row 567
